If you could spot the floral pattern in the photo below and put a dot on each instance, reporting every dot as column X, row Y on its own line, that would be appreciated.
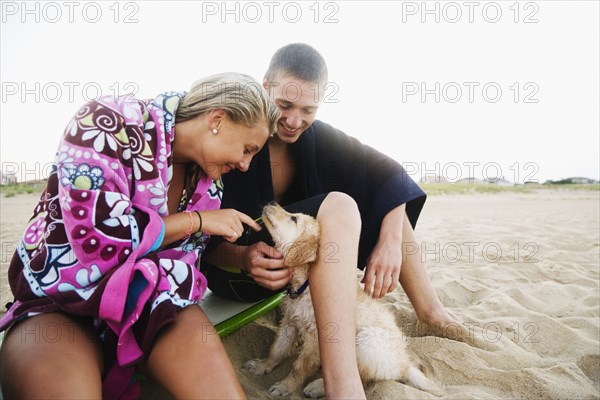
column 91, row 243
column 83, row 176
column 35, row 231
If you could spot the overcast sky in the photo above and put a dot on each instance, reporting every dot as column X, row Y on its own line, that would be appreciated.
column 462, row 88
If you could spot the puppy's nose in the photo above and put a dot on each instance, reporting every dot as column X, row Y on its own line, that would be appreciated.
column 271, row 207
column 267, row 211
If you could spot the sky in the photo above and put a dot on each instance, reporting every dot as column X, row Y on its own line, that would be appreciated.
column 462, row 89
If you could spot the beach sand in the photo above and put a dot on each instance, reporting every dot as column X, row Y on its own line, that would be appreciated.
column 520, row 270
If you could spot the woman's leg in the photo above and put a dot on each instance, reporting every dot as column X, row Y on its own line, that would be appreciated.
column 333, row 281
column 51, row 356
column 189, row 360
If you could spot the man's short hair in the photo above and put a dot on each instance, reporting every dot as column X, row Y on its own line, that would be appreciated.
column 299, row 60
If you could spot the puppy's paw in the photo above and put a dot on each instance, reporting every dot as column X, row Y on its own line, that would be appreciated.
column 281, row 389
column 315, row 389
column 258, row 366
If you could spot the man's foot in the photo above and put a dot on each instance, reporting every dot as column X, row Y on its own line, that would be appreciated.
column 447, row 327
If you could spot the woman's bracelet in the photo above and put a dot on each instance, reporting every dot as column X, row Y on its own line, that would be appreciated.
column 200, row 218
column 189, row 232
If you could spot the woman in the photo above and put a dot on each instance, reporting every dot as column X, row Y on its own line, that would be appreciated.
column 108, row 258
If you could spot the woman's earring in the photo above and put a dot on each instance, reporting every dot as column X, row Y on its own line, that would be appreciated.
column 216, row 130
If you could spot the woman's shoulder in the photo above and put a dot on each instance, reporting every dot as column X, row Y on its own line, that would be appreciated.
column 124, row 108
column 128, row 107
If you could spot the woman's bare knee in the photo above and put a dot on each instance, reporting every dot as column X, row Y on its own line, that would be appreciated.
column 189, row 360
column 50, row 356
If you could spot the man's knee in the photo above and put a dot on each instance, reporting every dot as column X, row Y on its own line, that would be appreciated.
column 340, row 207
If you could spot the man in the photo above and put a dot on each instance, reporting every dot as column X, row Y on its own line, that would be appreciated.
column 311, row 167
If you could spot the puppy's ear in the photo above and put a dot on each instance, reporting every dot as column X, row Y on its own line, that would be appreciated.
column 302, row 251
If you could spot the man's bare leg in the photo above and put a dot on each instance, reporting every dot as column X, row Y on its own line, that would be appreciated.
column 333, row 290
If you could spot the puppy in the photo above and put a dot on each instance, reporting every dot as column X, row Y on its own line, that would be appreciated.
column 380, row 345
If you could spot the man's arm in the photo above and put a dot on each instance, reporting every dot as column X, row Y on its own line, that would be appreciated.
column 378, row 183
column 384, row 263
column 262, row 262
column 227, row 254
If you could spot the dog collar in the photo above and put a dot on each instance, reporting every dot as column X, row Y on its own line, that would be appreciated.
column 297, row 293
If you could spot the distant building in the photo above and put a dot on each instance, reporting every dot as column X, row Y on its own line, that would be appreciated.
column 499, row 182
column 8, row 179
column 582, row 180
column 573, row 180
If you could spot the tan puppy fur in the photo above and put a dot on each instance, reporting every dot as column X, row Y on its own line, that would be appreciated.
column 380, row 345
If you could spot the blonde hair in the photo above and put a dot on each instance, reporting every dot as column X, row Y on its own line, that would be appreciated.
column 242, row 98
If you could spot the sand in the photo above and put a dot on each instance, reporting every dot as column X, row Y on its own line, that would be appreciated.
column 521, row 270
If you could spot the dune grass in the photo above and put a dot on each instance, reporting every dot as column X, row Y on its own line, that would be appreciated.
column 479, row 188
column 22, row 188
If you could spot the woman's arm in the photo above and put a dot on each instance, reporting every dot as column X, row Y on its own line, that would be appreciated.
column 226, row 223
column 177, row 227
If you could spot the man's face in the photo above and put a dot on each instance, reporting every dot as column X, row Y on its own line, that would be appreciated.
column 298, row 101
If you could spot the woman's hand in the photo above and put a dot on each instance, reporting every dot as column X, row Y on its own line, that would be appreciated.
column 266, row 266
column 226, row 223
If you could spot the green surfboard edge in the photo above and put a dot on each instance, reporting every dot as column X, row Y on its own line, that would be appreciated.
column 242, row 319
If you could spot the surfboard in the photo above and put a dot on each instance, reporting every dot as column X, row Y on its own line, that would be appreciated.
column 228, row 315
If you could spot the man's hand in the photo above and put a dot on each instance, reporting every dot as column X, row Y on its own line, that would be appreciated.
column 383, row 268
column 384, row 263
column 266, row 266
